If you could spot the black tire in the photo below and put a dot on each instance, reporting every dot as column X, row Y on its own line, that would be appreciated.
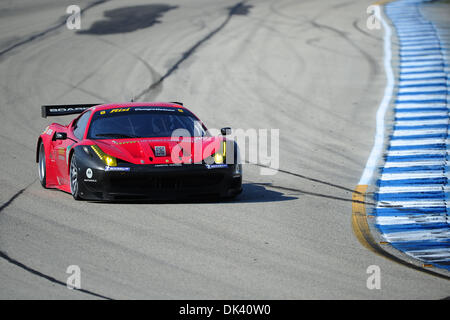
column 73, row 173
column 42, row 167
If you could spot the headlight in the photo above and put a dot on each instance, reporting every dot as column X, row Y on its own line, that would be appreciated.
column 218, row 158
column 106, row 158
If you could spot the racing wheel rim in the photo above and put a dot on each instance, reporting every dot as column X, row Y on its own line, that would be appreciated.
column 73, row 177
column 42, row 168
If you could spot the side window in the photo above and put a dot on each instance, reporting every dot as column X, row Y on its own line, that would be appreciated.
column 80, row 126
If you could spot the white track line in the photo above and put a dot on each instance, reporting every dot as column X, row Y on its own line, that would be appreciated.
column 407, row 164
column 417, row 152
column 399, row 220
column 377, row 148
column 421, row 89
column 421, row 114
column 412, row 189
column 419, row 105
column 405, row 133
column 415, row 142
column 415, row 175
column 437, row 234
column 420, row 122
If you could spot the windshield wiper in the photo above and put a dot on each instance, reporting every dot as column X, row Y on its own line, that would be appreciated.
column 117, row 135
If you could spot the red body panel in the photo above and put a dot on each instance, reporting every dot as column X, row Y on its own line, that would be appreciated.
column 136, row 150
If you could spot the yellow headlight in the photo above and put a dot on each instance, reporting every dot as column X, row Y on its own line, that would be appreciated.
column 111, row 161
column 218, row 158
column 107, row 159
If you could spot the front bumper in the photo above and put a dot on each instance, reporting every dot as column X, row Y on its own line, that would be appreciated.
column 187, row 181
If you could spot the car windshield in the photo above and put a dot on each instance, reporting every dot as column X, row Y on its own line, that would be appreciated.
column 143, row 122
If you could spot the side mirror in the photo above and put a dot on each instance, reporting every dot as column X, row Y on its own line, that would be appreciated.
column 225, row 131
column 60, row 136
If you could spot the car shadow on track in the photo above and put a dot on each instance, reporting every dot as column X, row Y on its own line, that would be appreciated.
column 252, row 193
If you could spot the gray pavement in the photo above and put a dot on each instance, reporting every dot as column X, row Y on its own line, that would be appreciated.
column 309, row 68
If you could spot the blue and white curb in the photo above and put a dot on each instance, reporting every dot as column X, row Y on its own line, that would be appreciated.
column 413, row 196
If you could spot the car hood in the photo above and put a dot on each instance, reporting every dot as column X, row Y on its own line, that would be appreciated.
column 160, row 150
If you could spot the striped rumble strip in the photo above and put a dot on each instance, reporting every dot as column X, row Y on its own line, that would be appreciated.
column 413, row 193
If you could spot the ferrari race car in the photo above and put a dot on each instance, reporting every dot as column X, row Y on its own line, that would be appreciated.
column 136, row 151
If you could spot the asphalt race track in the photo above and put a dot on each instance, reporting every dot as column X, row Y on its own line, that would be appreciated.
column 311, row 69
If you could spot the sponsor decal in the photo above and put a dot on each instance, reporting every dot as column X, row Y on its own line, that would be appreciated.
column 67, row 109
column 160, row 151
column 107, row 168
column 215, row 166
column 168, row 165
column 67, row 153
column 119, row 110
column 90, row 180
column 155, row 109
column 89, row 173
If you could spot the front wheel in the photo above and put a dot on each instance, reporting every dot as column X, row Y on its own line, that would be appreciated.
column 42, row 166
column 74, row 187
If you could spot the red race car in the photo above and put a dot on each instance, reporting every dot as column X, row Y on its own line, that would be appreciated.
column 136, row 151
